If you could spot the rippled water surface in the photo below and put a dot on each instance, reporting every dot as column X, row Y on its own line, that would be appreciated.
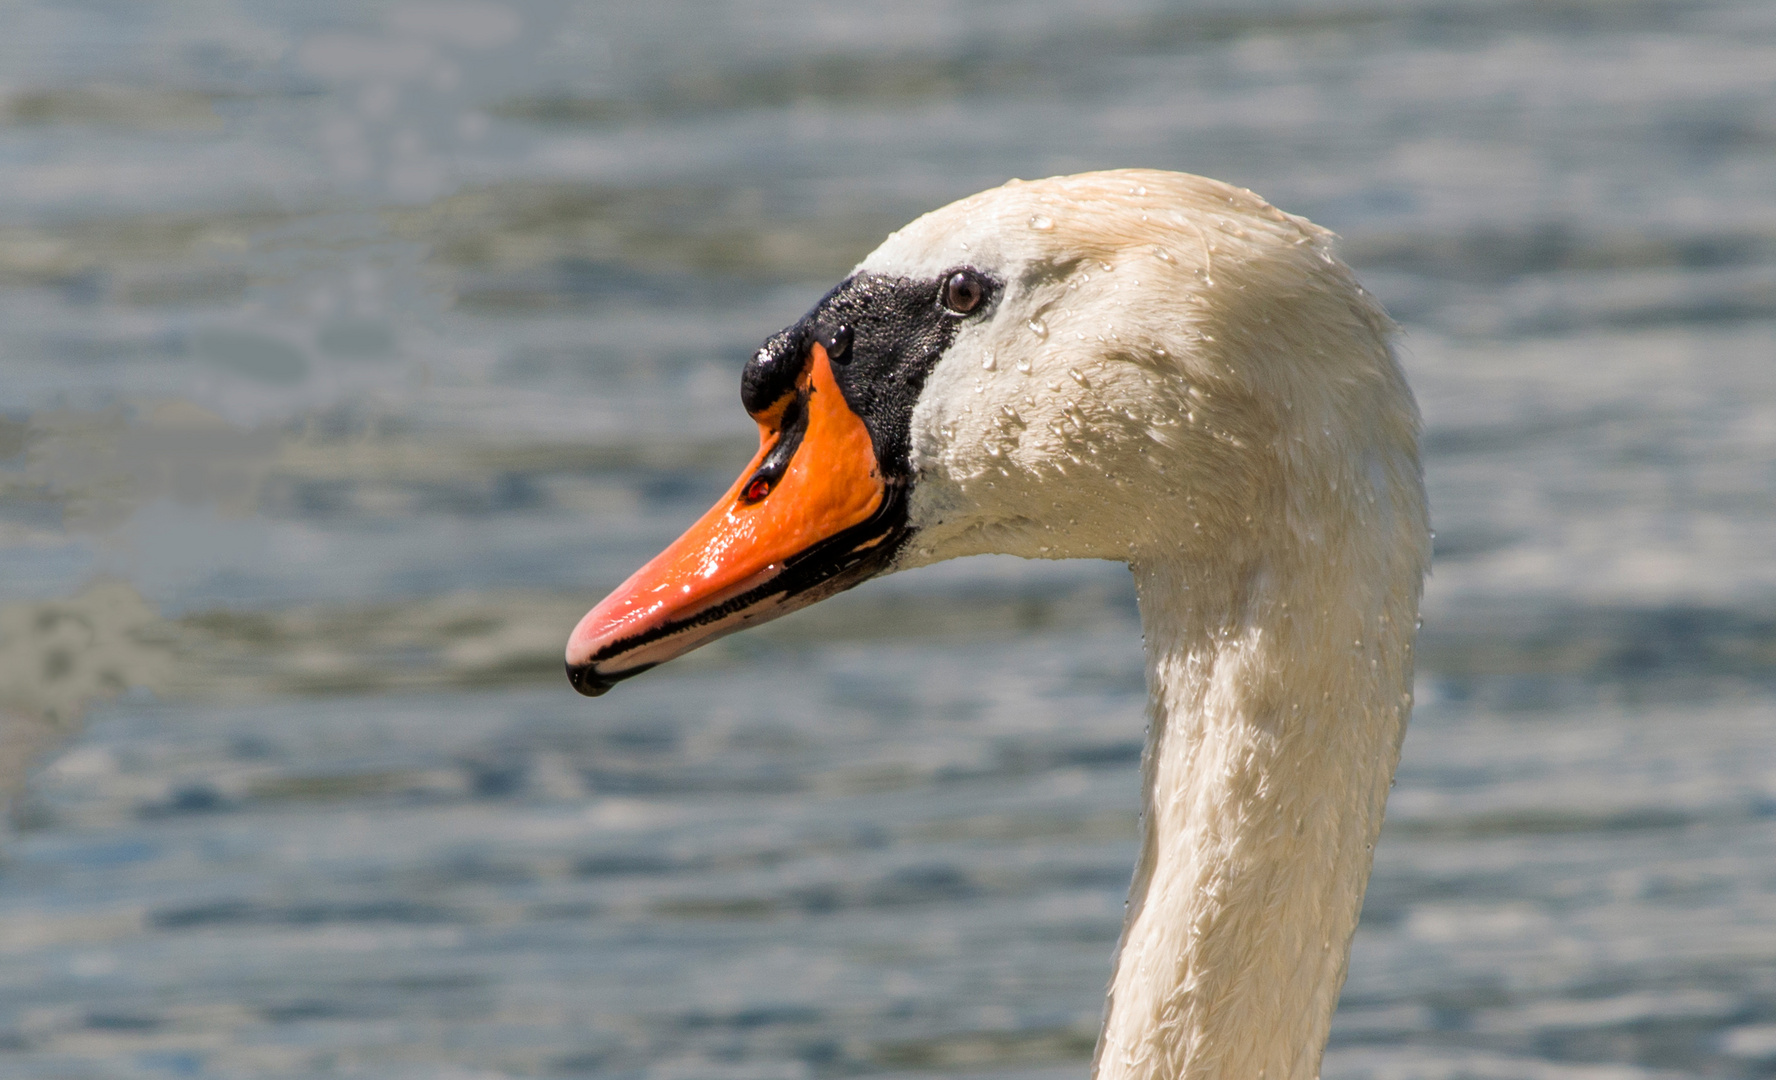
column 351, row 350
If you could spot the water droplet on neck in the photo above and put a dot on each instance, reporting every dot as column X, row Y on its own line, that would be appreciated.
column 1042, row 223
column 1077, row 376
column 1023, row 364
column 1040, row 329
column 1164, row 255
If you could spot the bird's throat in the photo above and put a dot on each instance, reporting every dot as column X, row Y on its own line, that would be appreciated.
column 1275, row 725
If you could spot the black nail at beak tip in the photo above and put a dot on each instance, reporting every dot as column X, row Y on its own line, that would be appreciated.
column 585, row 679
column 588, row 680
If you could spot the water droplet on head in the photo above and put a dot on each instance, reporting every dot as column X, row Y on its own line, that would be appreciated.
column 1042, row 223
column 1039, row 328
column 1077, row 376
column 1023, row 364
column 1164, row 255
column 987, row 361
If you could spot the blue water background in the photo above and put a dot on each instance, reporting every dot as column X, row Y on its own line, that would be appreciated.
column 352, row 350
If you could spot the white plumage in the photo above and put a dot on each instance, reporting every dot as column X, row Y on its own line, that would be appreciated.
column 1182, row 377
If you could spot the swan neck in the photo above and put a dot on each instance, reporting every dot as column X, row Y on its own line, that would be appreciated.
column 1278, row 699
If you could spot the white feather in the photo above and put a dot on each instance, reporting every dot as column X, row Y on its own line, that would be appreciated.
column 1179, row 376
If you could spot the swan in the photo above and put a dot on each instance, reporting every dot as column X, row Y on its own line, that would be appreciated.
column 1164, row 370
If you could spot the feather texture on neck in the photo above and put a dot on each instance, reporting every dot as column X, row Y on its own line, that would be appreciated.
column 1184, row 378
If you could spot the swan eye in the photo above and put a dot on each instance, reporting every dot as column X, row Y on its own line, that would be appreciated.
column 837, row 343
column 963, row 292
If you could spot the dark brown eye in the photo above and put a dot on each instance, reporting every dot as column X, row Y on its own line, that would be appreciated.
column 963, row 292
column 837, row 342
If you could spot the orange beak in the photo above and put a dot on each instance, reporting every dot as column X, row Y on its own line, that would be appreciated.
column 811, row 515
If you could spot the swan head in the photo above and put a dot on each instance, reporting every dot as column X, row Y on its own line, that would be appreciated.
column 1135, row 365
